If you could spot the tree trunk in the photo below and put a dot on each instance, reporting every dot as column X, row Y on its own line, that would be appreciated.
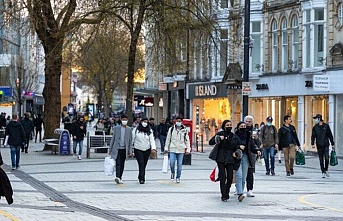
column 130, row 78
column 51, row 91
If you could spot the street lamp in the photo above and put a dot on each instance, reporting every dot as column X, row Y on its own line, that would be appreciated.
column 246, row 53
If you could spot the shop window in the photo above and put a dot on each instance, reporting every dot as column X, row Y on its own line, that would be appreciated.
column 340, row 13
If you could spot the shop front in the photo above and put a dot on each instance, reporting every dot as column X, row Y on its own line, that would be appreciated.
column 209, row 107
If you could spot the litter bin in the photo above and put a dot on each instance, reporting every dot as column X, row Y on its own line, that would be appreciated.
column 187, row 158
column 100, row 150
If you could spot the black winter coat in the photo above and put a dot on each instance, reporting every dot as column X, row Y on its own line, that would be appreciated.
column 16, row 134
column 1, row 161
column 252, row 146
column 77, row 132
column 227, row 147
column 5, row 187
column 322, row 134
column 283, row 136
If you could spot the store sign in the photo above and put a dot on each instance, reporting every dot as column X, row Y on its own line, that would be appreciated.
column 205, row 90
column 168, row 79
column 246, row 88
column 321, row 83
column 146, row 102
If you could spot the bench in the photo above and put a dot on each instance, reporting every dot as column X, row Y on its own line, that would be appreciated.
column 97, row 142
column 55, row 141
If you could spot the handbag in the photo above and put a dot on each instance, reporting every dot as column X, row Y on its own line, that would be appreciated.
column 214, row 153
column 300, row 157
column 212, row 140
column 214, row 175
column 109, row 166
column 333, row 158
column 165, row 164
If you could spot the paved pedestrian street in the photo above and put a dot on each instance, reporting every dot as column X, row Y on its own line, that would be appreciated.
column 60, row 188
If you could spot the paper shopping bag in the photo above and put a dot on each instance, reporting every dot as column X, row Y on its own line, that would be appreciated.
column 109, row 166
column 165, row 164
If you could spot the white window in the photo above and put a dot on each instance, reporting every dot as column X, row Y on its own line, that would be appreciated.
column 307, row 27
column 340, row 13
column 295, row 42
column 274, row 46
column 319, row 58
column 284, row 45
column 223, row 51
column 256, row 64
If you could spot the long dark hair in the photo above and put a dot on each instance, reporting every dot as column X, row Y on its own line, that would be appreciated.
column 146, row 130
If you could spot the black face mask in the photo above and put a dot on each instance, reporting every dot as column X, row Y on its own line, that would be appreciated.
column 242, row 130
column 249, row 127
column 228, row 129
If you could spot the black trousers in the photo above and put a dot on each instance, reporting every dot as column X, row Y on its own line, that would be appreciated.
column 250, row 179
column 225, row 178
column 26, row 147
column 120, row 162
column 142, row 158
column 323, row 154
column 40, row 134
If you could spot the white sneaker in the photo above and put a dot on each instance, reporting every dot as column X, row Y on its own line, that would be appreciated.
column 79, row 157
column 327, row 173
column 250, row 194
column 121, row 181
column 117, row 180
column 74, row 156
column 323, row 175
column 177, row 180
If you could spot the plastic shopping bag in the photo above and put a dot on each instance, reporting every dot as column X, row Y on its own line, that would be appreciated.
column 214, row 175
column 300, row 157
column 333, row 158
column 6, row 140
column 165, row 164
column 109, row 166
column 261, row 161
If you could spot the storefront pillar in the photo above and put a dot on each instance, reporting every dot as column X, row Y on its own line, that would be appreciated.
column 301, row 120
column 331, row 120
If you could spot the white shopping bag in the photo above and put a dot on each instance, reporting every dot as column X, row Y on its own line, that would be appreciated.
column 109, row 166
column 165, row 164
column 6, row 140
column 261, row 161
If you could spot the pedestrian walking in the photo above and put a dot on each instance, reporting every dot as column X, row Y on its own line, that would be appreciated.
column 270, row 140
column 321, row 134
column 16, row 140
column 289, row 142
column 120, row 147
column 254, row 142
column 227, row 161
column 143, row 143
column 28, row 128
column 38, row 123
column 162, row 130
column 177, row 144
column 248, row 147
column 78, row 130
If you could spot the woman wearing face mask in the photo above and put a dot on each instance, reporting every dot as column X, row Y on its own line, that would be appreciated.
column 227, row 159
column 177, row 144
column 247, row 146
column 143, row 142
column 120, row 147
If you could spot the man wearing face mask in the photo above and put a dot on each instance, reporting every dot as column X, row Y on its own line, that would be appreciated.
column 177, row 144
column 321, row 133
column 120, row 147
column 269, row 144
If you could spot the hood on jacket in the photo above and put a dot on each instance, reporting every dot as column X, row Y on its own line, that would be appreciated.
column 14, row 123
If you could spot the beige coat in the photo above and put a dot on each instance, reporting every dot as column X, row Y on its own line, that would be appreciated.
column 178, row 140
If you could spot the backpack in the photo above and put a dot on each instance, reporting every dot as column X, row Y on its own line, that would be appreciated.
column 171, row 132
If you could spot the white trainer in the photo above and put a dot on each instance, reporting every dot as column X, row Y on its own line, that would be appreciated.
column 117, row 180
column 80, row 157
column 327, row 173
column 178, row 180
column 250, row 194
column 323, row 175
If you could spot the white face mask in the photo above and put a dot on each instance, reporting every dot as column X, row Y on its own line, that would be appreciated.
column 144, row 124
column 124, row 122
column 178, row 124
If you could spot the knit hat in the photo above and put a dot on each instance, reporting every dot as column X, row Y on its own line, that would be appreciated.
column 239, row 124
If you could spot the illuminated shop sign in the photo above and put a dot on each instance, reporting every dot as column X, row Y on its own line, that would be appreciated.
column 207, row 90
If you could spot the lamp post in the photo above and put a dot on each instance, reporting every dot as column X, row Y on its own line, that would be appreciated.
column 246, row 53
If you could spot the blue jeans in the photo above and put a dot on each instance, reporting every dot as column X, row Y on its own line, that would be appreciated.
column 163, row 142
column 15, row 155
column 80, row 146
column 241, row 174
column 269, row 152
column 176, row 157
